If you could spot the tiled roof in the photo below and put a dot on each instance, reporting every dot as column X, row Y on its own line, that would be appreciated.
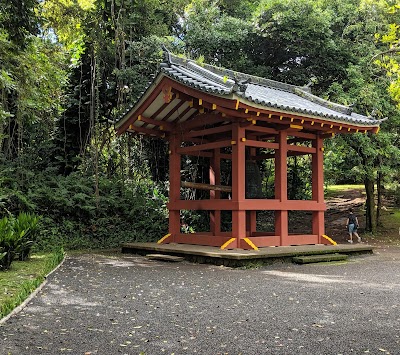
column 261, row 91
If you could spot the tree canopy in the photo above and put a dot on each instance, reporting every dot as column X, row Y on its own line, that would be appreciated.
column 69, row 68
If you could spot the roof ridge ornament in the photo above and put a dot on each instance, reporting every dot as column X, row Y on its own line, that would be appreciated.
column 166, row 53
column 240, row 86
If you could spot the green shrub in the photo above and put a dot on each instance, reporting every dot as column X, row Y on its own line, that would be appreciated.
column 17, row 235
column 8, row 243
column 26, row 227
column 73, row 216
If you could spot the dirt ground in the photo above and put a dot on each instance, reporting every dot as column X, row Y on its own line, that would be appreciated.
column 337, row 211
column 336, row 216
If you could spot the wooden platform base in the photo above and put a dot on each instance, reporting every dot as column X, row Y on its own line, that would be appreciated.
column 240, row 257
column 164, row 257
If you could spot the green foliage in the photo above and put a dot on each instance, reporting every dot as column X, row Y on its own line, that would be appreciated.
column 131, row 210
column 8, row 244
column 59, row 92
column 17, row 235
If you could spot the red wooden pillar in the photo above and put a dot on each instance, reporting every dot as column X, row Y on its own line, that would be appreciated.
column 281, row 216
column 318, row 223
column 215, row 179
column 174, row 185
column 251, row 216
column 238, row 182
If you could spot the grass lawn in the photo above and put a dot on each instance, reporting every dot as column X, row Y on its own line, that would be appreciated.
column 389, row 231
column 23, row 277
column 334, row 190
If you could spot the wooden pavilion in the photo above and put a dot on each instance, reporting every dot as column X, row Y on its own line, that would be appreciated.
column 219, row 114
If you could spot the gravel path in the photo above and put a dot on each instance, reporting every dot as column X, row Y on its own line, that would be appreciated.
column 125, row 304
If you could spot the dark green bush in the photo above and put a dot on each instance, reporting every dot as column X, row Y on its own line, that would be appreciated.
column 72, row 216
column 17, row 235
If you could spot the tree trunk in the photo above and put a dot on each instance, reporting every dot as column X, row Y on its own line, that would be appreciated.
column 379, row 198
column 369, row 205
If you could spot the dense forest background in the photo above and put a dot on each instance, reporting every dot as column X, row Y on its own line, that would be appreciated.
column 70, row 68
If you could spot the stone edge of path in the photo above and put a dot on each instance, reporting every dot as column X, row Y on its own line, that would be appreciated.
column 20, row 307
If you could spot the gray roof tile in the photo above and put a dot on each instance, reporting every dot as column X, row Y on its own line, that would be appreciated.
column 265, row 92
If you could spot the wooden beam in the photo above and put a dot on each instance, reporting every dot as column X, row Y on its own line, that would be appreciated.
column 206, row 146
column 172, row 111
column 261, row 129
column 261, row 144
column 200, row 121
column 133, row 114
column 300, row 148
column 183, row 114
column 200, row 186
column 160, row 109
column 303, row 135
column 208, row 131
column 199, row 154
column 166, row 125
column 151, row 132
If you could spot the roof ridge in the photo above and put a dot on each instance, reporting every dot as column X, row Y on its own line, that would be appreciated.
column 202, row 70
column 233, row 76
column 328, row 104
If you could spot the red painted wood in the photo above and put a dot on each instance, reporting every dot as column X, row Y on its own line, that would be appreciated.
column 208, row 131
column 259, row 144
column 147, row 131
column 238, row 182
column 262, row 241
column 318, row 226
column 167, row 126
column 275, row 204
column 174, row 185
column 318, row 223
column 281, row 216
column 173, row 110
column 201, row 120
column 202, row 239
column 206, row 146
column 260, row 129
column 318, row 170
column 215, row 179
column 207, row 205
column 248, row 205
column 301, row 149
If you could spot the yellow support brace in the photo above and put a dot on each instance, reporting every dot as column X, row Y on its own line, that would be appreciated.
column 223, row 246
column 330, row 240
column 249, row 242
column 163, row 238
column 296, row 126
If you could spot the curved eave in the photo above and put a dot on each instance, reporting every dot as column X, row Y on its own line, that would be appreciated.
column 157, row 115
column 355, row 121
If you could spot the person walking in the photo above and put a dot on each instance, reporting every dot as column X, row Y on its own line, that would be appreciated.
column 352, row 225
